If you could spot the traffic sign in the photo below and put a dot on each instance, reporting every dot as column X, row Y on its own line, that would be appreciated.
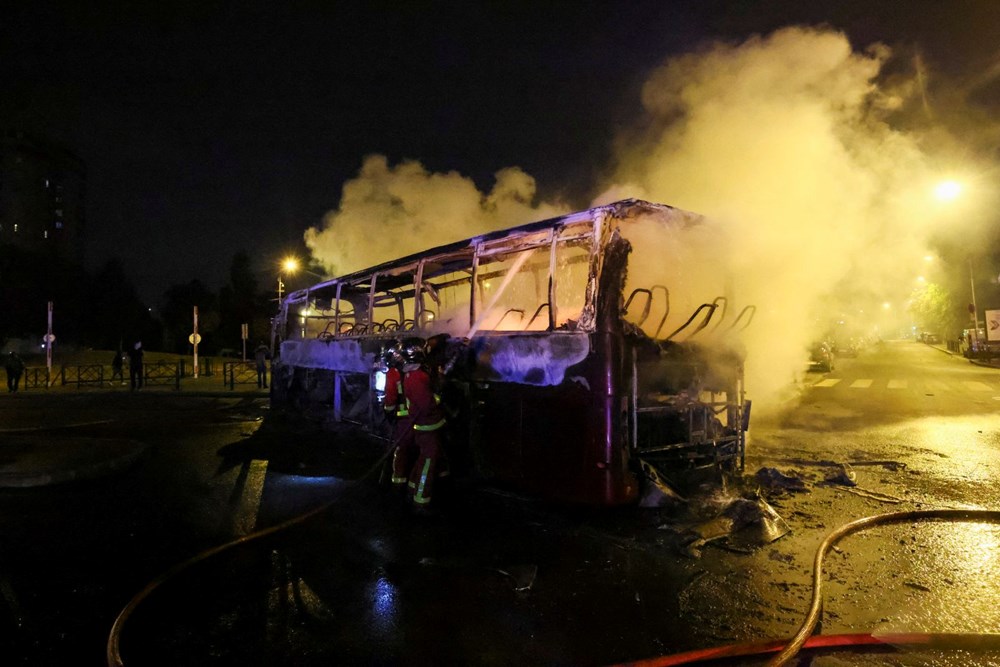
column 49, row 338
column 194, row 338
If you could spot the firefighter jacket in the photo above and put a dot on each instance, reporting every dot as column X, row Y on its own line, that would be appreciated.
column 395, row 403
column 424, row 406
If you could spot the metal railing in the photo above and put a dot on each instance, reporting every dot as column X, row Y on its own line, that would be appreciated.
column 84, row 375
column 162, row 373
column 34, row 377
column 239, row 372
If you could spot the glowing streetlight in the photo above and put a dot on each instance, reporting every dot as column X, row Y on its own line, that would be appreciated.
column 947, row 190
column 291, row 265
column 288, row 265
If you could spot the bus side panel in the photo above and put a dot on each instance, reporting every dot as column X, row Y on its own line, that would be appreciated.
column 550, row 442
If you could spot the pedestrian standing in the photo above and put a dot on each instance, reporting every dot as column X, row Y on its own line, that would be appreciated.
column 135, row 365
column 14, row 367
column 116, row 368
column 260, row 356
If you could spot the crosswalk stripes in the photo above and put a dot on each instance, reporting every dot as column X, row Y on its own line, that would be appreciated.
column 977, row 386
column 921, row 385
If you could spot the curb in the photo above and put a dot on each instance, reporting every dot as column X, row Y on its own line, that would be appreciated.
column 48, row 476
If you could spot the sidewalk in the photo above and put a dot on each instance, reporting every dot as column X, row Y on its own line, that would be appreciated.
column 985, row 363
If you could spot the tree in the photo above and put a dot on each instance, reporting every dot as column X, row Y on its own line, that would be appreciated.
column 178, row 315
column 117, row 316
column 239, row 303
column 933, row 309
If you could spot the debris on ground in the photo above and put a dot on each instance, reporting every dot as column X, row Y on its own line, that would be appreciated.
column 844, row 475
column 773, row 479
column 745, row 524
column 658, row 492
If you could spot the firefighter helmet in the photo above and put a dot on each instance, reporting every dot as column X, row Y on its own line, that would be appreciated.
column 393, row 354
column 413, row 351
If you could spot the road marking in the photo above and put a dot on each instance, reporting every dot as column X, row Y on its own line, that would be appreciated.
column 977, row 386
column 245, row 515
column 829, row 382
column 897, row 384
column 861, row 384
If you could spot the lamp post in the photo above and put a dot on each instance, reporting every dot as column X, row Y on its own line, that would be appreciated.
column 288, row 265
column 948, row 191
column 975, row 309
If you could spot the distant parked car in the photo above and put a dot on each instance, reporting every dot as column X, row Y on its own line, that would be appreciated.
column 821, row 356
column 929, row 338
column 847, row 348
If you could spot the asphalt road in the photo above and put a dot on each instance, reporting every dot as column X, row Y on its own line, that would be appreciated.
column 496, row 579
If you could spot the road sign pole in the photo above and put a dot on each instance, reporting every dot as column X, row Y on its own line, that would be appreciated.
column 49, row 339
column 196, row 338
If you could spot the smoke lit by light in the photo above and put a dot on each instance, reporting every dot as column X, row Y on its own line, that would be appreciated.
column 790, row 143
column 948, row 190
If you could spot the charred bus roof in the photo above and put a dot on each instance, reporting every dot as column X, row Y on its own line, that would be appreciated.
column 617, row 210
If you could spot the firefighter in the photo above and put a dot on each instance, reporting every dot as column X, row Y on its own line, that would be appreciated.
column 427, row 418
column 396, row 413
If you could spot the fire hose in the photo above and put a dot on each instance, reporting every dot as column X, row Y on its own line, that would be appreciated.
column 804, row 638
column 113, row 652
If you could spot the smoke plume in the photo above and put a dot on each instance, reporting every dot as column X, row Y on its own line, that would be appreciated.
column 410, row 209
column 824, row 208
column 820, row 205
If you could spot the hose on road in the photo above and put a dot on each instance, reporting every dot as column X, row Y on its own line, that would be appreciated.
column 803, row 637
column 113, row 649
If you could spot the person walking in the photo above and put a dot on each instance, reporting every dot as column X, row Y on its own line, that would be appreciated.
column 260, row 356
column 135, row 365
column 14, row 367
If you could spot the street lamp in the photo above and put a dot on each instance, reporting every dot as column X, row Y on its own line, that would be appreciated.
column 289, row 265
column 292, row 265
column 947, row 190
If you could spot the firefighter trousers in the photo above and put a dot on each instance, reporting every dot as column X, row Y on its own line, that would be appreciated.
column 425, row 469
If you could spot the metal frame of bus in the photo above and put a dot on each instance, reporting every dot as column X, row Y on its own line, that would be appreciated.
column 563, row 405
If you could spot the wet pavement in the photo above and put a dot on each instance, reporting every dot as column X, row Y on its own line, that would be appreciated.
column 494, row 578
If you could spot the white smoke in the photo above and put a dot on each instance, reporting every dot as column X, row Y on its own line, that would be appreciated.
column 780, row 141
column 821, row 206
column 392, row 211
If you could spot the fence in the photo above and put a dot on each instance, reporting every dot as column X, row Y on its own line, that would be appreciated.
column 239, row 372
column 163, row 373
column 160, row 373
column 88, row 375
column 35, row 377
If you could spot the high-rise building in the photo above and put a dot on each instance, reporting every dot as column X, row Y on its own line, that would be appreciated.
column 42, row 190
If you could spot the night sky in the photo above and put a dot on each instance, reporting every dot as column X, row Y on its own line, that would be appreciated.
column 211, row 128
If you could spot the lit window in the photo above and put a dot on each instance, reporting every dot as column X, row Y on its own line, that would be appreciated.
column 46, row 234
column 15, row 228
column 59, row 224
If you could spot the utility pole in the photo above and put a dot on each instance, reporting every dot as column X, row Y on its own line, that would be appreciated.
column 975, row 309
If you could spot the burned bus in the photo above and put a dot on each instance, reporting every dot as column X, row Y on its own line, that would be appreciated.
column 571, row 368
